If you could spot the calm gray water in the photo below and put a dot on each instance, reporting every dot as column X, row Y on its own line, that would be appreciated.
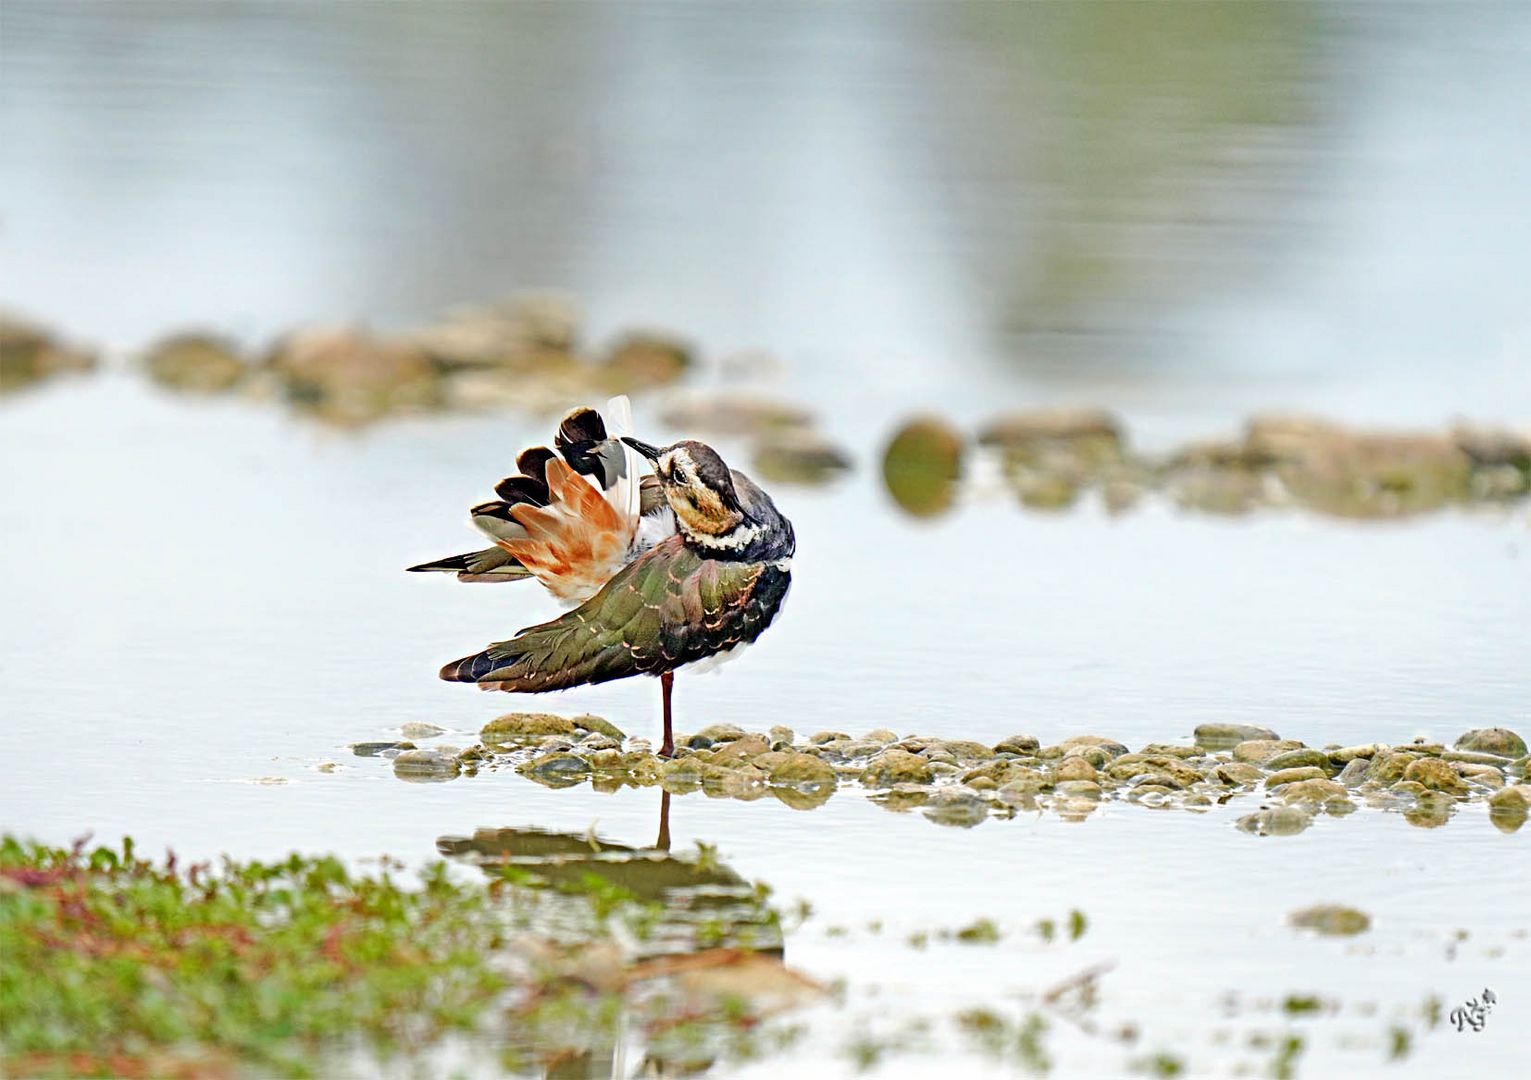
column 1184, row 212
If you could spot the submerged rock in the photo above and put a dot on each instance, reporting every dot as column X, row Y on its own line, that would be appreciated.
column 1501, row 742
column 1276, row 821
column 1332, row 919
column 955, row 808
column 556, row 769
column 426, row 765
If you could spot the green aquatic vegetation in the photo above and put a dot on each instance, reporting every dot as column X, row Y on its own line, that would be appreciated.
column 1020, row 1041
column 108, row 960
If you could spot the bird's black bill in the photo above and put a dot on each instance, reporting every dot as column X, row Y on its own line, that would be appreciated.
column 650, row 452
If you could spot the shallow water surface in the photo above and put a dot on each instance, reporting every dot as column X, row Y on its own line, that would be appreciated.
column 191, row 635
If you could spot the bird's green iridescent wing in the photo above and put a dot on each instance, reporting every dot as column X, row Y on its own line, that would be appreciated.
column 667, row 608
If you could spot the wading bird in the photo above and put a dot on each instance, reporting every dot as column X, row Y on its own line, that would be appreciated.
column 685, row 567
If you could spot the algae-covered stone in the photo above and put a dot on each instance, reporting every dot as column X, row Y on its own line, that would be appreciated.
column 716, row 733
column 1436, row 775
column 590, row 722
column 1507, row 809
column 1237, row 772
column 608, row 759
column 1087, row 789
column 1073, row 767
column 1276, row 821
column 1175, row 750
column 374, row 749
column 1499, row 741
column 1333, row 919
column 1316, row 789
column 1110, row 746
column 966, row 752
column 1260, row 751
column 803, row 771
column 1297, row 759
column 921, row 467
column 426, row 765
column 742, row 749
column 1354, row 771
column 1227, row 736
column 1484, row 775
column 956, row 808
column 1003, row 772
column 1017, row 744
column 1344, row 755
column 1129, row 766
column 782, row 733
column 681, row 772
column 197, row 362
column 1388, row 765
column 895, row 766
column 819, row 738
column 881, row 736
column 518, row 726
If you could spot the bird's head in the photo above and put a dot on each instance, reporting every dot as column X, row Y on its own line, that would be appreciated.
column 697, row 484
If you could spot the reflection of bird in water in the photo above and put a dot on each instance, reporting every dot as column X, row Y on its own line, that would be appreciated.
column 649, row 603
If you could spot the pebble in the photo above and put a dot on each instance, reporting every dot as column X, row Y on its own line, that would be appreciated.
column 1260, row 751
column 716, row 733
column 1017, row 744
column 1287, row 776
column 1332, row 919
column 1227, row 736
column 1296, row 759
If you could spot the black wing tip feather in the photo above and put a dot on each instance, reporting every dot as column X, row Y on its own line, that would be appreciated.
column 523, row 489
column 581, row 425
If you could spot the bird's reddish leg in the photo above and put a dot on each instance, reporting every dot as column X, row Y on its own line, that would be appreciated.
column 666, row 683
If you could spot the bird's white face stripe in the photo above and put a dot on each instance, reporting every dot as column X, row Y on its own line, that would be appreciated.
column 740, row 537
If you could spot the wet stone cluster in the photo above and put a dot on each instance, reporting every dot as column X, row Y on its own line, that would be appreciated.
column 963, row 783
column 1052, row 459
